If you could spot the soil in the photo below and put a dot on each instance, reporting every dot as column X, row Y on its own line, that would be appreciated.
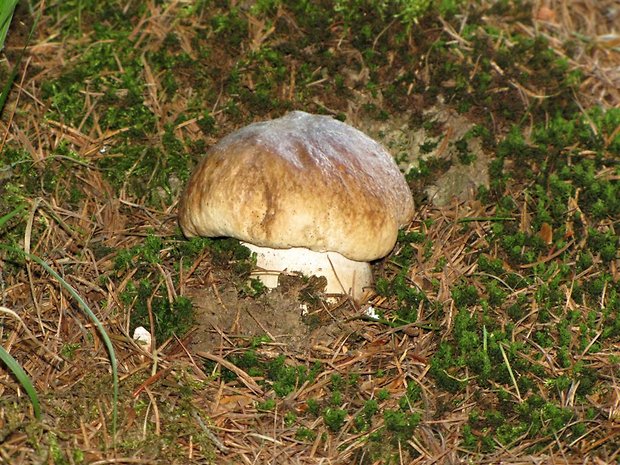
column 290, row 316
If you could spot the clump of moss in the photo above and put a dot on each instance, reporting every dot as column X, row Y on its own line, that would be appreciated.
column 170, row 318
column 569, row 200
column 145, row 294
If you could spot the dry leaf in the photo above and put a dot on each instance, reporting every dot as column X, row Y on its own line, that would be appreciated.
column 545, row 14
column 546, row 233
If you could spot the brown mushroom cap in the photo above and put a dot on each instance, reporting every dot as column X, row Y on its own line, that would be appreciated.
column 299, row 181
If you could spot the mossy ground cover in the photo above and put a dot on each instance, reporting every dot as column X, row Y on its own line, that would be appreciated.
column 498, row 317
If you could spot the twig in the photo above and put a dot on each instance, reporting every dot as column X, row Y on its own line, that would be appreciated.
column 216, row 442
column 243, row 376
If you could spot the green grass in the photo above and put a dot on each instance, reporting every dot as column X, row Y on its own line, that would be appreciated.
column 6, row 14
column 7, row 358
column 22, row 378
column 89, row 313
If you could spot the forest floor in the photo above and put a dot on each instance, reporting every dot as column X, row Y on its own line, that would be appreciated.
column 497, row 330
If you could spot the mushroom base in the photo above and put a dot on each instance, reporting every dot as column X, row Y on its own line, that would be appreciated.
column 343, row 276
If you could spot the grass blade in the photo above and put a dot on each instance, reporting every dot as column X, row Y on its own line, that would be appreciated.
column 510, row 372
column 10, row 215
column 84, row 306
column 23, row 379
column 5, row 21
column 6, row 14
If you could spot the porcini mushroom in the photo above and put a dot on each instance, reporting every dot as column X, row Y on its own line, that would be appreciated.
column 307, row 193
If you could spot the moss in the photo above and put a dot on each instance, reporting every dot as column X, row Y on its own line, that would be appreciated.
column 305, row 434
column 170, row 318
column 555, row 167
column 334, row 418
column 465, row 295
column 400, row 424
column 463, row 153
column 444, row 368
column 230, row 28
column 603, row 243
column 491, row 265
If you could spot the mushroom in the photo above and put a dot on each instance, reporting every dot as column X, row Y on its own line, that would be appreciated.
column 306, row 193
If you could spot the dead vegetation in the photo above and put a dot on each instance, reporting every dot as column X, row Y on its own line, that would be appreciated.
column 591, row 31
column 254, row 379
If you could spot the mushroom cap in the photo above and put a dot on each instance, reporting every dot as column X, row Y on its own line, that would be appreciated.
column 299, row 181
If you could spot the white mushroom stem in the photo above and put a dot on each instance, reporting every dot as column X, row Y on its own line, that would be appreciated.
column 343, row 276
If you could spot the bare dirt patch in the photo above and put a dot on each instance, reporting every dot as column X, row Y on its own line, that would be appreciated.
column 292, row 316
